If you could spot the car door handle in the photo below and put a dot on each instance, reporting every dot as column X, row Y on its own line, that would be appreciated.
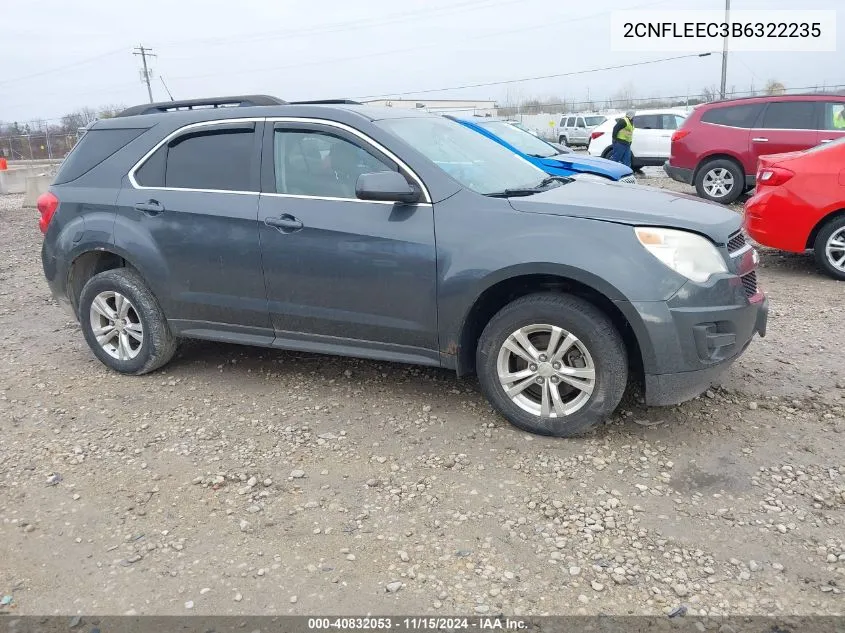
column 826, row 140
column 150, row 207
column 286, row 223
column 760, row 139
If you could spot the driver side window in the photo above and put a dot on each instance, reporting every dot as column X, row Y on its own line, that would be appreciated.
column 320, row 164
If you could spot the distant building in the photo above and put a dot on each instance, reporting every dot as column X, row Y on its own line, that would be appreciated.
column 443, row 106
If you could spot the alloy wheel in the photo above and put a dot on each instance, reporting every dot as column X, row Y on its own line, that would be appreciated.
column 718, row 182
column 835, row 249
column 116, row 325
column 546, row 370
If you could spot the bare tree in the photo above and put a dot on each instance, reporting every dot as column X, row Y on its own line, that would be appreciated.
column 774, row 87
column 110, row 111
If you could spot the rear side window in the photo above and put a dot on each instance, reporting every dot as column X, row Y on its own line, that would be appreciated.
column 742, row 116
column 217, row 159
column 93, row 148
column 790, row 115
column 834, row 116
column 593, row 121
column 646, row 121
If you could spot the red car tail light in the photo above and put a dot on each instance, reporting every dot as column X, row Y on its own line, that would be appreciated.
column 595, row 135
column 773, row 176
column 47, row 204
column 677, row 135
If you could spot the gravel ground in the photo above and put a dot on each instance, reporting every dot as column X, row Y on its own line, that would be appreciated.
column 243, row 480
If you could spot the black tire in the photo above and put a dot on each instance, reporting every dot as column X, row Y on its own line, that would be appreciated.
column 828, row 230
column 733, row 192
column 606, row 153
column 562, row 140
column 593, row 329
column 158, row 344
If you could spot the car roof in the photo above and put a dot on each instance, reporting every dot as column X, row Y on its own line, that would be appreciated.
column 310, row 109
column 803, row 96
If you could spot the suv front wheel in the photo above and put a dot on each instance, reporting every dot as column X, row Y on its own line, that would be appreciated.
column 123, row 323
column 720, row 180
column 552, row 364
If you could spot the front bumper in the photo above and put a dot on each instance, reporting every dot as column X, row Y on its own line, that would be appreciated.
column 688, row 341
column 709, row 342
column 678, row 173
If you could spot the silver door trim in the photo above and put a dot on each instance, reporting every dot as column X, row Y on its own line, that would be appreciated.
column 172, row 135
column 367, row 139
column 191, row 126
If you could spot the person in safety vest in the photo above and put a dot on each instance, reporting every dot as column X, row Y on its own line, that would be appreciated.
column 623, row 134
column 839, row 119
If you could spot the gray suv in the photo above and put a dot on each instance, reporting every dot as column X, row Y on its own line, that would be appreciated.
column 338, row 228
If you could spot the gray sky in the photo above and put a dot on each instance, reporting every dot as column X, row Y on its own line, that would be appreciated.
column 299, row 49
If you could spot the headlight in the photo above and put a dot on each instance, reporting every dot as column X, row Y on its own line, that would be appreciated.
column 686, row 253
column 590, row 177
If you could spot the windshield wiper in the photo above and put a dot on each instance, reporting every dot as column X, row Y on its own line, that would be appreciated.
column 543, row 185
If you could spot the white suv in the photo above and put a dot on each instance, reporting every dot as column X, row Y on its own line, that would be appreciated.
column 652, row 136
column 575, row 129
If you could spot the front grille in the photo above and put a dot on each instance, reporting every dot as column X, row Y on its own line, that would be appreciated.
column 629, row 179
column 736, row 242
column 749, row 282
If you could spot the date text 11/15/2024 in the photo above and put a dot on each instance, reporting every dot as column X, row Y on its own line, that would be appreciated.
column 416, row 624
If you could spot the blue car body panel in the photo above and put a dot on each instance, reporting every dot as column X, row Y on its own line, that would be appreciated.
column 561, row 164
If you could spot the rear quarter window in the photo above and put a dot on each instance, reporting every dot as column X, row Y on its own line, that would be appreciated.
column 742, row 116
column 93, row 148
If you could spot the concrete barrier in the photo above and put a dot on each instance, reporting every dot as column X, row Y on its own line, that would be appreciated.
column 14, row 180
column 35, row 186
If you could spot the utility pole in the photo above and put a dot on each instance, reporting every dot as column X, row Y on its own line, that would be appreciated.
column 725, row 51
column 144, row 53
column 47, row 139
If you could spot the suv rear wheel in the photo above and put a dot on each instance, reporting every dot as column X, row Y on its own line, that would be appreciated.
column 830, row 248
column 720, row 180
column 563, row 140
column 552, row 364
column 123, row 323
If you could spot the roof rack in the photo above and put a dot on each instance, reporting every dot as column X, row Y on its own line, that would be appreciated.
column 327, row 102
column 191, row 104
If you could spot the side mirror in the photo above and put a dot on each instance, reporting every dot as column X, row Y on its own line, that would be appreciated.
column 386, row 186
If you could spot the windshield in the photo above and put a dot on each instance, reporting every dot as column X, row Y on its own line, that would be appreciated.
column 593, row 121
column 524, row 141
column 474, row 160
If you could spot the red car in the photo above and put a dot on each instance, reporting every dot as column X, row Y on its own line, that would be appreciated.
column 718, row 145
column 800, row 204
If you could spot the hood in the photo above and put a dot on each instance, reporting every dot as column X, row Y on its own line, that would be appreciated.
column 588, row 164
column 634, row 205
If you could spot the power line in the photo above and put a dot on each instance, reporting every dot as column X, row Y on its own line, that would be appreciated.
column 241, row 71
column 340, row 27
column 59, row 68
column 340, row 60
column 524, row 79
column 144, row 53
